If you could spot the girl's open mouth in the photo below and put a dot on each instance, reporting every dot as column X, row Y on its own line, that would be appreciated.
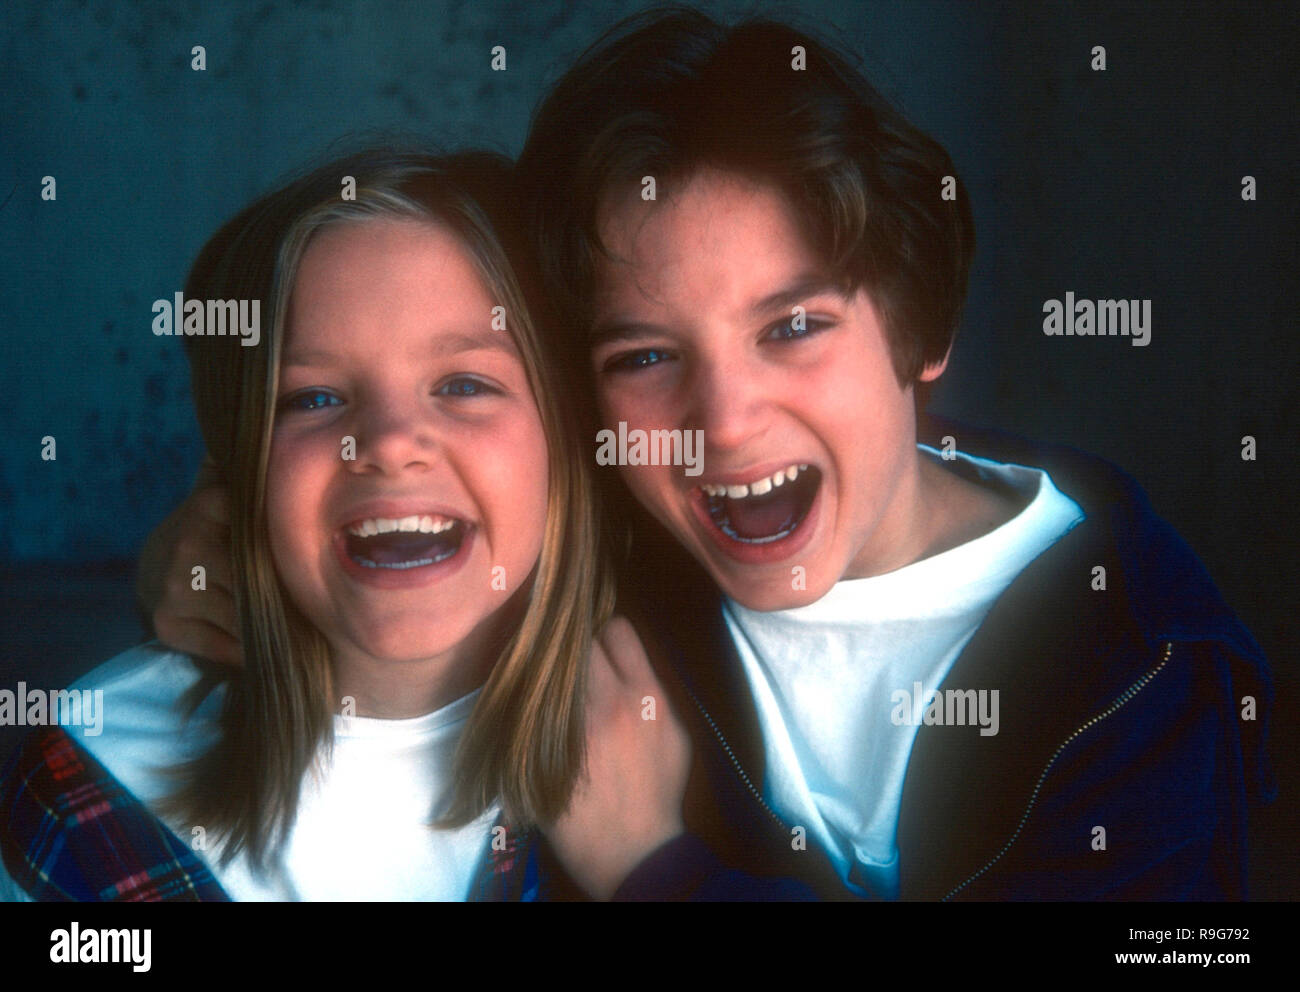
column 405, row 542
column 765, row 511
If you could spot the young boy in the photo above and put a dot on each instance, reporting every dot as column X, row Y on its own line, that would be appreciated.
column 748, row 241
column 977, row 669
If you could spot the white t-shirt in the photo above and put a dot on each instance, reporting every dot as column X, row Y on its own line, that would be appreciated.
column 361, row 833
column 835, row 682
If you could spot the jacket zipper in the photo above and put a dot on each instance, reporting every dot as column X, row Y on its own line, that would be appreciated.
column 1118, row 704
column 731, row 755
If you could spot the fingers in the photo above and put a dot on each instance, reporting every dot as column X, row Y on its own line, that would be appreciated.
column 201, row 543
column 629, row 666
column 202, row 531
column 213, row 503
column 628, row 802
column 200, row 621
column 626, row 692
column 214, row 604
column 198, row 637
column 603, row 677
column 627, row 658
column 619, row 678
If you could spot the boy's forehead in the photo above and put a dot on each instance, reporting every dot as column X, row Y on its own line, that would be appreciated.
column 705, row 201
column 719, row 235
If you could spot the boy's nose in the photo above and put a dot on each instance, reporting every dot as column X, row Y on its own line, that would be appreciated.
column 726, row 403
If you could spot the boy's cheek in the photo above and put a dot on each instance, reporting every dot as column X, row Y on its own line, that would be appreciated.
column 663, row 499
column 636, row 404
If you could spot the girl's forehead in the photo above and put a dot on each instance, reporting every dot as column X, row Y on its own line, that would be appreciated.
column 388, row 264
column 414, row 248
column 400, row 284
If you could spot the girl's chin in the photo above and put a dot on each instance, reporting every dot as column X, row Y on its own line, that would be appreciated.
column 470, row 629
column 398, row 647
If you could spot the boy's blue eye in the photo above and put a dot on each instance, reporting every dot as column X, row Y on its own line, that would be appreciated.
column 634, row 361
column 786, row 330
column 310, row 399
column 465, row 386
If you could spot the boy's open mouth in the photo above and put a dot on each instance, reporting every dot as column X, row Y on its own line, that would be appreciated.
column 403, row 542
column 766, row 510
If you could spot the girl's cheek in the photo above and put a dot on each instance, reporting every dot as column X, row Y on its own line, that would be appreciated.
column 530, row 441
column 295, row 468
column 292, row 450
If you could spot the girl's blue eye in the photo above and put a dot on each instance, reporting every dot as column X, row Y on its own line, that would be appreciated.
column 311, row 399
column 465, row 386
column 634, row 361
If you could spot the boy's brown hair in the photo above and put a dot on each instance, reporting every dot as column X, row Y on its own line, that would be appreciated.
column 668, row 92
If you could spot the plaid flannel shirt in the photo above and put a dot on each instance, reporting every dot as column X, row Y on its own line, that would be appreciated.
column 71, row 832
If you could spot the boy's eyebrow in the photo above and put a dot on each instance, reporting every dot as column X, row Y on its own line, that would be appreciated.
column 801, row 288
column 627, row 330
column 446, row 344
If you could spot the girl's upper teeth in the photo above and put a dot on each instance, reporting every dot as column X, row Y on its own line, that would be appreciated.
column 758, row 488
column 413, row 524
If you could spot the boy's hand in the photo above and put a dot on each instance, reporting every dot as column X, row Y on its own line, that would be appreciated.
column 629, row 801
column 198, row 622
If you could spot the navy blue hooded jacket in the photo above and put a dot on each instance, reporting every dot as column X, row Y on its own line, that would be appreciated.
column 1141, row 709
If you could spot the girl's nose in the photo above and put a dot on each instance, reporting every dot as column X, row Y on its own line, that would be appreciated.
column 392, row 439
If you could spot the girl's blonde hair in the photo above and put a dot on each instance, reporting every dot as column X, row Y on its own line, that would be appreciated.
column 524, row 743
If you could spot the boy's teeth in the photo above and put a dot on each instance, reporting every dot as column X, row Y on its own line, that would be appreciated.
column 758, row 488
column 412, row 524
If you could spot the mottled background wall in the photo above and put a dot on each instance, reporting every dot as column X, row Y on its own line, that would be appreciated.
column 1122, row 183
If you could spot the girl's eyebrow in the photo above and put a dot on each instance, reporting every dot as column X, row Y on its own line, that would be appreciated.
column 310, row 359
column 492, row 340
column 446, row 344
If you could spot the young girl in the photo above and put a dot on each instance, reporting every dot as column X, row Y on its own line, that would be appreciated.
column 415, row 573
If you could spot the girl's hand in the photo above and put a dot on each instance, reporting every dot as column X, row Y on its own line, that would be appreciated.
column 197, row 621
column 629, row 801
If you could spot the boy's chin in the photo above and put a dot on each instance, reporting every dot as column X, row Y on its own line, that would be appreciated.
column 773, row 604
column 786, row 591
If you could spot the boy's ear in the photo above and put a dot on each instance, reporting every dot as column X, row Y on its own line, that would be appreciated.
column 931, row 372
